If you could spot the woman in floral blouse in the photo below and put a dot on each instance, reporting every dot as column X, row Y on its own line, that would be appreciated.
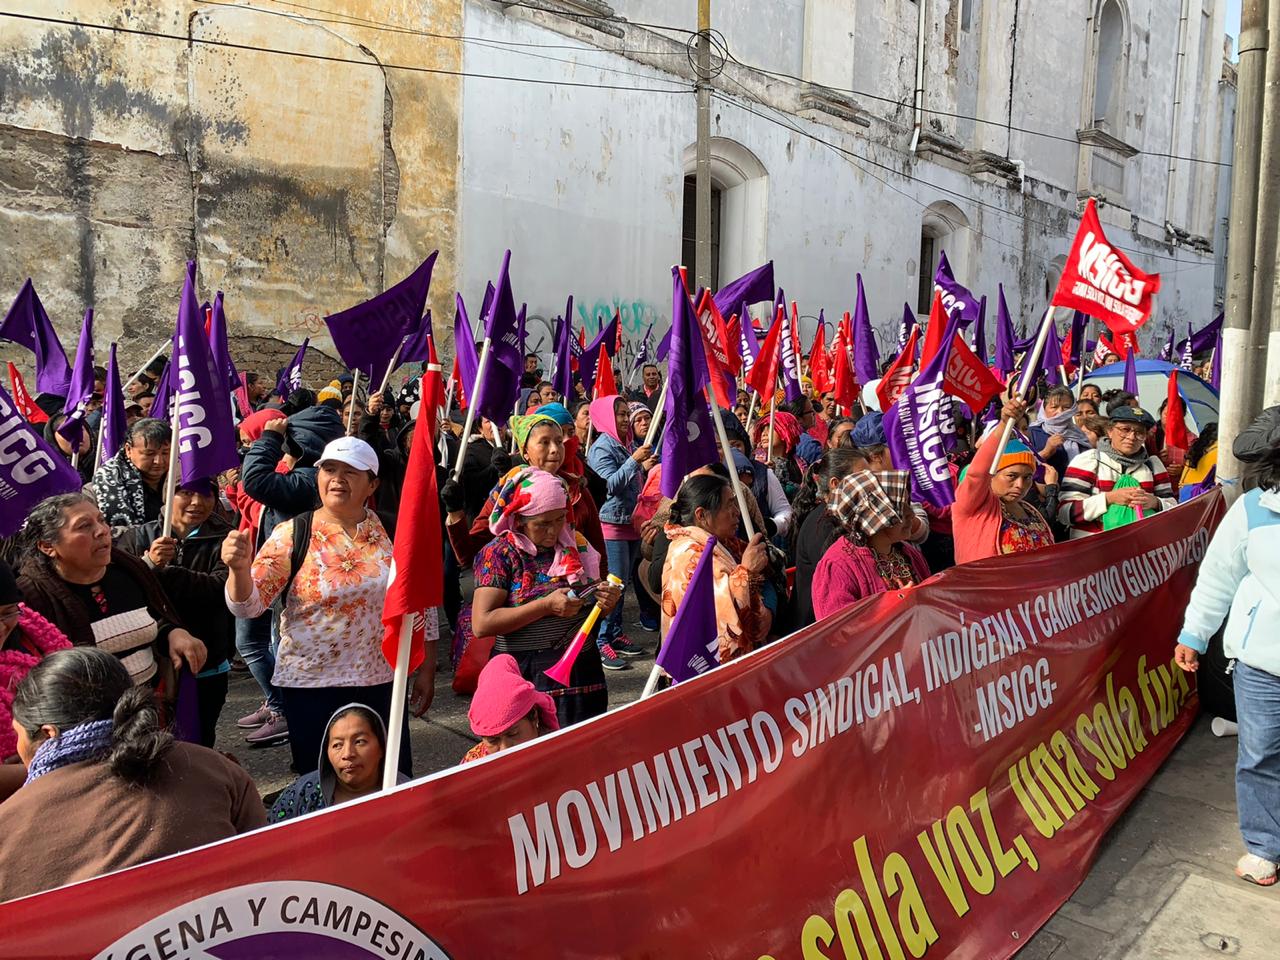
column 330, row 651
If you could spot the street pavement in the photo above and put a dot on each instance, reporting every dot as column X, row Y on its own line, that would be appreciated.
column 1161, row 889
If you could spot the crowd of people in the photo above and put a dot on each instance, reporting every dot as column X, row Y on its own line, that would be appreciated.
column 110, row 624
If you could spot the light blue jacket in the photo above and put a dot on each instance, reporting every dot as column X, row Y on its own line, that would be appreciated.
column 623, row 476
column 1239, row 580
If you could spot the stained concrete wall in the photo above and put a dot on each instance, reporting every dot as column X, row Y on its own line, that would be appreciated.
column 305, row 164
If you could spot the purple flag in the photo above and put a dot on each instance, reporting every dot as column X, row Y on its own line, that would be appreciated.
column 1130, row 373
column 186, row 710
column 32, row 471
column 1079, row 327
column 956, row 298
column 866, row 357
column 749, row 288
column 218, row 343
column 562, row 378
column 1215, row 372
column 163, row 395
column 692, row 646
column 606, row 340
column 1005, row 362
column 642, row 354
column 27, row 325
column 80, row 392
column 1166, row 352
column 664, row 346
column 1188, row 357
column 114, row 422
column 1203, row 339
column 749, row 345
column 689, row 442
column 1051, row 359
column 206, row 437
column 789, row 368
column 980, row 332
column 416, row 347
column 291, row 376
column 919, row 429
column 501, row 388
column 366, row 335
column 905, row 327
column 464, row 346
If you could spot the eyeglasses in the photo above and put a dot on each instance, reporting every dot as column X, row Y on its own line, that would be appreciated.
column 1139, row 432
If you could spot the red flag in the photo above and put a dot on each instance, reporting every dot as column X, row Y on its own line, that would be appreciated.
column 1176, row 433
column 416, row 585
column 433, row 359
column 899, row 374
column 459, row 394
column 844, row 384
column 969, row 378
column 715, row 340
column 819, row 362
column 606, row 385
column 1101, row 349
column 937, row 330
column 763, row 378
column 1127, row 343
column 1066, row 354
column 1102, row 282
column 22, row 400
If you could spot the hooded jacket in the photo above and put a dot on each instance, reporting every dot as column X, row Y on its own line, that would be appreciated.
column 1239, row 581
column 611, row 459
column 285, row 495
column 314, row 791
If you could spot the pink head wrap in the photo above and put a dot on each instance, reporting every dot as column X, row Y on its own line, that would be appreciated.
column 503, row 698
column 528, row 493
column 603, row 419
column 785, row 428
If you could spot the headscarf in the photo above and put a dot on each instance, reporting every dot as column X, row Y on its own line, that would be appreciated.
column 504, row 697
column 785, row 428
column 602, row 417
column 866, row 503
column 869, row 430
column 528, row 493
column 557, row 412
column 573, row 465
column 521, row 427
column 1074, row 441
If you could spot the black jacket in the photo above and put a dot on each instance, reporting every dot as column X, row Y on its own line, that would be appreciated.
column 285, row 495
column 195, row 582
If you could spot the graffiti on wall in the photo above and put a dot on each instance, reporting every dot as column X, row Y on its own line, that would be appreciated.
column 636, row 315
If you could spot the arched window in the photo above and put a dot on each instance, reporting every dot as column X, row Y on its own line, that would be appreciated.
column 1111, row 58
column 942, row 228
column 739, row 210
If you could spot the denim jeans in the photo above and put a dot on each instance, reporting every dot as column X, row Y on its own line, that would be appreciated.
column 621, row 554
column 253, row 643
column 1258, row 760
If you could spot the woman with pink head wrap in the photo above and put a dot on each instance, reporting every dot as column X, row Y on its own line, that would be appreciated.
column 507, row 710
column 535, row 582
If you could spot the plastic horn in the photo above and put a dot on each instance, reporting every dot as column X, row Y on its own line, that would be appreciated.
column 564, row 666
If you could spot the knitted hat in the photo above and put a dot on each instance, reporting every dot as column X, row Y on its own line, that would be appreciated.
column 329, row 393
column 1016, row 452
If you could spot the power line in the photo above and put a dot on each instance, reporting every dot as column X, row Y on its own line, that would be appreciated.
column 408, row 68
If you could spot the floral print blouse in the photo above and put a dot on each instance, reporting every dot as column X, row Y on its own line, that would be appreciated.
column 331, row 625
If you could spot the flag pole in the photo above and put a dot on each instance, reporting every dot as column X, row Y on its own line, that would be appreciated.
column 143, row 369
column 773, row 407
column 395, row 362
column 351, row 409
column 651, row 685
column 728, row 462
column 1029, row 366
column 399, row 690
column 471, row 406
column 658, row 413
column 171, row 478
column 515, row 412
column 751, row 410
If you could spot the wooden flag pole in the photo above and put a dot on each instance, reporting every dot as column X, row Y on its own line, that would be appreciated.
column 658, row 413
column 351, row 408
column 471, row 406
column 171, row 478
column 751, row 411
column 773, row 408
column 395, row 362
column 1029, row 367
column 725, row 449
column 399, row 691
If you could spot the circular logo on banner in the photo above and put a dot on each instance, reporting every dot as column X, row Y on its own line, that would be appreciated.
column 280, row 920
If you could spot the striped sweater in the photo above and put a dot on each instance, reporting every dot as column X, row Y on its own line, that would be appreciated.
column 1082, row 500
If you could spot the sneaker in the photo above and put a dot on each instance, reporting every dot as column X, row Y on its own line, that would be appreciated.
column 623, row 647
column 256, row 719
column 274, row 731
column 610, row 660
column 648, row 625
column 1224, row 728
column 1255, row 869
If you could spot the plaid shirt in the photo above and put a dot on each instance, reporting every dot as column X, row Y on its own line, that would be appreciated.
column 1082, row 497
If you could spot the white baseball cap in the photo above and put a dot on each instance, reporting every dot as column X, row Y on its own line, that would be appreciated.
column 352, row 451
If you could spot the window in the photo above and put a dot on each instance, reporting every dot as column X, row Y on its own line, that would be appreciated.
column 1110, row 66
column 928, row 267
column 689, row 236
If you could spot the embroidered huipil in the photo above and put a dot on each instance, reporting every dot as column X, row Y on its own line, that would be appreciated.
column 331, row 626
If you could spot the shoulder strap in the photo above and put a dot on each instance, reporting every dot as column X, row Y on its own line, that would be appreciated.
column 1256, row 514
column 298, row 552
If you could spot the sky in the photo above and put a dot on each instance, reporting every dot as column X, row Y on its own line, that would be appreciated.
column 1233, row 19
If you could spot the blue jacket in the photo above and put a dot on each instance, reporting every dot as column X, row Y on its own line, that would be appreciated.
column 1239, row 580
column 623, row 478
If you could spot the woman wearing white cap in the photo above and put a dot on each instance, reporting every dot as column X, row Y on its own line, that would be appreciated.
column 330, row 650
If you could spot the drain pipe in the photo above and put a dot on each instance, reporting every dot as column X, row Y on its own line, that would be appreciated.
column 1177, row 110
column 919, row 92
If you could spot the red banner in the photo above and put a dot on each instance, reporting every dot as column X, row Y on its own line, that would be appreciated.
column 1101, row 281
column 930, row 770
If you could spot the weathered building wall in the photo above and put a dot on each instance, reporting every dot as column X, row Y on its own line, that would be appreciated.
column 302, row 180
